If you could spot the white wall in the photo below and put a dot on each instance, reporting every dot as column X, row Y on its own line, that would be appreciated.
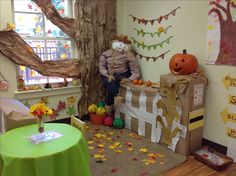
column 7, row 67
column 190, row 32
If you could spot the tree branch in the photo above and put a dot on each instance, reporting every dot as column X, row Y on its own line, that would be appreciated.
column 217, row 11
column 229, row 17
column 65, row 24
column 17, row 50
column 218, row 6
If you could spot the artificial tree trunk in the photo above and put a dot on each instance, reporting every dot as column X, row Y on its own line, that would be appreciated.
column 92, row 30
column 96, row 25
column 227, row 53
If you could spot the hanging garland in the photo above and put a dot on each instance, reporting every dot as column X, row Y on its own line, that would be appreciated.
column 142, row 44
column 159, row 19
column 154, row 58
column 158, row 33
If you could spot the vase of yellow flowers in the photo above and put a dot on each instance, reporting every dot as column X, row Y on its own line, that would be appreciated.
column 40, row 111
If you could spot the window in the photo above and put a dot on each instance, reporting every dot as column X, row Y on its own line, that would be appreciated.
column 46, row 39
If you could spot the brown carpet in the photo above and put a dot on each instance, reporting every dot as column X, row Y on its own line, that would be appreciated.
column 120, row 152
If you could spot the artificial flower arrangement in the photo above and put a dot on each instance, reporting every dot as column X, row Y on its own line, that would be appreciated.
column 40, row 111
column 97, row 113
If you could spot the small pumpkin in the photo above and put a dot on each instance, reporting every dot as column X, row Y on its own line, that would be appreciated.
column 108, row 121
column 148, row 83
column 135, row 81
column 92, row 108
column 118, row 123
column 101, row 104
column 140, row 82
column 183, row 64
column 101, row 111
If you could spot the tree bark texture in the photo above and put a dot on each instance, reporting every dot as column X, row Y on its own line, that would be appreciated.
column 96, row 25
column 227, row 53
column 92, row 30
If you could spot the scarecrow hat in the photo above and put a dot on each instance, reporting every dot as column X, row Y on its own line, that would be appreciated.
column 122, row 38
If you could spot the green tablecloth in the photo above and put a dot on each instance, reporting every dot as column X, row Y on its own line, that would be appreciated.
column 64, row 156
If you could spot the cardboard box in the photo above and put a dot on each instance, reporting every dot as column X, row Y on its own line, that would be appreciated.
column 140, row 112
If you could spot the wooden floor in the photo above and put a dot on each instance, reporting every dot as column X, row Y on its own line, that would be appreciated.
column 193, row 167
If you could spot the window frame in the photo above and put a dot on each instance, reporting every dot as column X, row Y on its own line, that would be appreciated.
column 45, row 39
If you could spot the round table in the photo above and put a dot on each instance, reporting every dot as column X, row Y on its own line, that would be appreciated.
column 65, row 156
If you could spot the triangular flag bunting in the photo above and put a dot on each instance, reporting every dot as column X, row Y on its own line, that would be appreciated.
column 142, row 32
column 162, row 56
column 151, row 57
column 161, row 44
column 166, row 17
column 173, row 12
column 168, row 40
column 159, row 19
column 154, row 46
column 149, row 47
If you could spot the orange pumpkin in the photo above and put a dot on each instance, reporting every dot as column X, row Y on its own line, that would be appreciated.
column 140, row 82
column 135, row 81
column 148, row 83
column 183, row 64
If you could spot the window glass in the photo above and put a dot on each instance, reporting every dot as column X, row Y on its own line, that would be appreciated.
column 47, row 40
column 30, row 25
column 26, row 6
column 52, row 30
column 59, row 49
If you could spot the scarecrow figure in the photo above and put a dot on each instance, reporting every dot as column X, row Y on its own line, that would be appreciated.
column 117, row 65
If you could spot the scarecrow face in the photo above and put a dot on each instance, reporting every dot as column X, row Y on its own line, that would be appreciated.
column 119, row 46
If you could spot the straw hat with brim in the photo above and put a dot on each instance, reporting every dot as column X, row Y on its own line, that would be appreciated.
column 122, row 38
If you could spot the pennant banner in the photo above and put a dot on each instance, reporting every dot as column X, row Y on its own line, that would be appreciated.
column 142, row 44
column 158, row 32
column 151, row 21
column 154, row 58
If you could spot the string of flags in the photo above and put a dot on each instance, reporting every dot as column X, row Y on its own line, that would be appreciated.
column 151, row 21
column 154, row 58
column 158, row 32
column 154, row 46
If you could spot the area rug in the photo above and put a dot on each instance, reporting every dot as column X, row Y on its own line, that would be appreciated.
column 120, row 152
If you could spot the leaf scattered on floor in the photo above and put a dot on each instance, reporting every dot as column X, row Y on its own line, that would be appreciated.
column 114, row 170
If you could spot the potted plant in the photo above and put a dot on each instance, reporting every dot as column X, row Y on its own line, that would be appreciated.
column 97, row 114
